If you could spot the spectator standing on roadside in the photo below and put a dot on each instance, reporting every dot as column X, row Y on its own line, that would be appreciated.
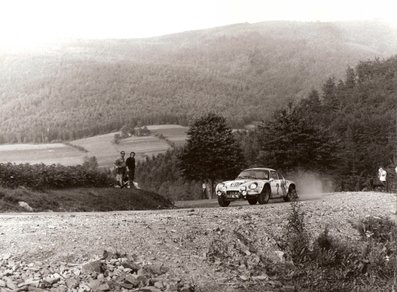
column 130, row 162
column 382, row 177
column 204, row 187
column 120, row 167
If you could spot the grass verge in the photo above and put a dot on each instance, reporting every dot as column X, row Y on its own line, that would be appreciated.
column 81, row 200
column 326, row 263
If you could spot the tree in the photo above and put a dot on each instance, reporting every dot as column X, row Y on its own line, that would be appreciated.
column 289, row 141
column 125, row 131
column 310, row 108
column 90, row 162
column 211, row 152
column 329, row 95
column 350, row 82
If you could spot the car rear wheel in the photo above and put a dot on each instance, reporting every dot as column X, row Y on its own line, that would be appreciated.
column 252, row 201
column 222, row 201
column 264, row 196
column 291, row 195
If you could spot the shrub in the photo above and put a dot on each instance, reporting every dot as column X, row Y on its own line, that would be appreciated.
column 377, row 228
column 380, row 251
column 116, row 138
column 41, row 176
column 324, row 240
column 90, row 163
column 297, row 243
column 332, row 265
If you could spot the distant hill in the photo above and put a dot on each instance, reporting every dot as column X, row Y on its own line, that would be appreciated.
column 243, row 71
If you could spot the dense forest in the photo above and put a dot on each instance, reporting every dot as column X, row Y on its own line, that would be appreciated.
column 346, row 130
column 243, row 71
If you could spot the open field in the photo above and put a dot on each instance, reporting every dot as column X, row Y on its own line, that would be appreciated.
column 182, row 241
column 100, row 146
column 106, row 152
column 41, row 153
column 173, row 133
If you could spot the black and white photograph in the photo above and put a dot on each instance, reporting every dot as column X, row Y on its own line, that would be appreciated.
column 198, row 146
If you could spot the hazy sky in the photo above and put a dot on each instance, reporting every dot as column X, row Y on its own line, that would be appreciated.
column 27, row 22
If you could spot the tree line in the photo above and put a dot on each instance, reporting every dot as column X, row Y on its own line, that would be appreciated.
column 346, row 130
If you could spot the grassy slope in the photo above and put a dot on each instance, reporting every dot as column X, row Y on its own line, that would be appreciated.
column 100, row 146
column 43, row 153
column 106, row 152
column 82, row 199
column 174, row 133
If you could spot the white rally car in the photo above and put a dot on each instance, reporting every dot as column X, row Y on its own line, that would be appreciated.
column 256, row 185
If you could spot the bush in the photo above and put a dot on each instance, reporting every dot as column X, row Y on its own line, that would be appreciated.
column 296, row 234
column 90, row 163
column 329, row 252
column 370, row 264
column 116, row 138
column 332, row 265
column 41, row 176
column 377, row 228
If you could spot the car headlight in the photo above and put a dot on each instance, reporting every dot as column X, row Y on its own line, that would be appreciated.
column 221, row 187
column 253, row 186
column 243, row 188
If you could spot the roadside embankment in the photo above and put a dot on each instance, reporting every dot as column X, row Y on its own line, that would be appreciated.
column 80, row 199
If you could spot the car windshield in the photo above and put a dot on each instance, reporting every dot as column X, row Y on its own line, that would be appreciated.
column 254, row 174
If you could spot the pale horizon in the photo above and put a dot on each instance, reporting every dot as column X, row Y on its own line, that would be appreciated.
column 27, row 24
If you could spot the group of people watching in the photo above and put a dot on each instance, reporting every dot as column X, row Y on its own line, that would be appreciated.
column 125, row 170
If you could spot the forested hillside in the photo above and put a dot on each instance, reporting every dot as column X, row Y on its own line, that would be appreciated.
column 345, row 130
column 243, row 71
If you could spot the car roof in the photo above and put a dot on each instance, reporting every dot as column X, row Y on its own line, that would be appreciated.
column 260, row 168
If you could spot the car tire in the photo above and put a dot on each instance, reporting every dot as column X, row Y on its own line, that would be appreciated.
column 222, row 202
column 291, row 195
column 252, row 201
column 264, row 196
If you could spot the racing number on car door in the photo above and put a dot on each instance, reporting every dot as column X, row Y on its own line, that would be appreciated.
column 283, row 185
column 275, row 184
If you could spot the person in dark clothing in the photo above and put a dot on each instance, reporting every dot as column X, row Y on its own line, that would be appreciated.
column 130, row 163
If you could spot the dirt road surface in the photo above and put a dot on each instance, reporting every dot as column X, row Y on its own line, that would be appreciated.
column 183, row 240
column 213, row 203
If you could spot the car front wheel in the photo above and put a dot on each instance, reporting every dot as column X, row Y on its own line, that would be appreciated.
column 252, row 201
column 222, row 201
column 264, row 196
column 291, row 195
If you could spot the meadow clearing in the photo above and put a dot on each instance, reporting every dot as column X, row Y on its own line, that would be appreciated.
column 174, row 133
column 100, row 146
column 41, row 153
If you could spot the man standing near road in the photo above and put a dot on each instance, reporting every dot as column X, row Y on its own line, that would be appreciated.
column 120, row 166
column 130, row 162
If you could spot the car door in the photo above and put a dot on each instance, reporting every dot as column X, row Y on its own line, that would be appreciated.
column 275, row 184
column 283, row 185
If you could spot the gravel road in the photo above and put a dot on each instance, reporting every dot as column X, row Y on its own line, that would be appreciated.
column 180, row 239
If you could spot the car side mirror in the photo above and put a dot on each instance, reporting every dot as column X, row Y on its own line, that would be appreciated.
column 271, row 179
